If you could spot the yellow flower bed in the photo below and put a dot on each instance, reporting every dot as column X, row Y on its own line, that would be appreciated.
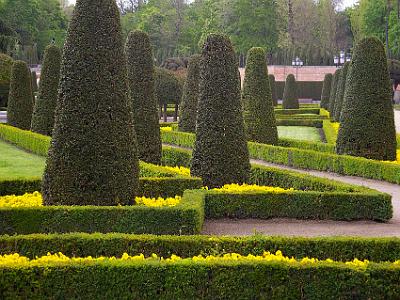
column 336, row 126
column 248, row 188
column 17, row 260
column 181, row 170
column 166, row 128
column 35, row 199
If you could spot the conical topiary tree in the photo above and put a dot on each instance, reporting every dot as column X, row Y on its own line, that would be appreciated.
column 188, row 108
column 6, row 63
column 368, row 127
column 141, row 82
column 341, row 88
column 34, row 82
column 258, row 108
column 45, row 105
column 290, row 98
column 272, row 83
column 220, row 154
column 20, row 100
column 326, row 91
column 93, row 158
column 332, row 97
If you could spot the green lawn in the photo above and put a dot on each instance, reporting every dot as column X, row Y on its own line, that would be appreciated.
column 299, row 133
column 16, row 163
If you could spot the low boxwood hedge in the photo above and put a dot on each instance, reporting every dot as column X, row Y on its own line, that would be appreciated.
column 280, row 111
column 185, row 218
column 299, row 122
column 189, row 279
column 115, row 244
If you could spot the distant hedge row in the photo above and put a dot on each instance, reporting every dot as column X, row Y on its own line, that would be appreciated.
column 305, row 89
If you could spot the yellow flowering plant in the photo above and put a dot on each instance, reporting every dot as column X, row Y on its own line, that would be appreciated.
column 180, row 170
column 166, row 128
column 249, row 188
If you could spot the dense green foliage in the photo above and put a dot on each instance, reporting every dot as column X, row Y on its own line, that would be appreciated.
column 340, row 93
column 290, row 96
column 220, row 154
column 258, row 107
column 93, row 138
column 326, row 91
column 272, row 84
column 332, row 96
column 20, row 102
column 305, row 89
column 141, row 83
column 188, row 108
column 45, row 105
column 6, row 63
column 168, row 87
column 367, row 127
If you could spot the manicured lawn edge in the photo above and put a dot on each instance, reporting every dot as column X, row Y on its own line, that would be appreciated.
column 185, row 218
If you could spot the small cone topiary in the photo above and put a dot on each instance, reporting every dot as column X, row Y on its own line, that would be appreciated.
column 332, row 97
column 141, row 82
column 341, row 89
column 368, row 127
column 34, row 82
column 258, row 107
column 93, row 158
column 45, row 105
column 220, row 154
column 290, row 98
column 274, row 93
column 20, row 100
column 326, row 91
column 188, row 108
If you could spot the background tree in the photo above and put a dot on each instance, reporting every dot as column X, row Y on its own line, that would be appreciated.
column 258, row 107
column 188, row 108
column 220, row 154
column 45, row 105
column 367, row 127
column 141, row 82
column 326, row 91
column 93, row 158
column 290, row 98
column 20, row 101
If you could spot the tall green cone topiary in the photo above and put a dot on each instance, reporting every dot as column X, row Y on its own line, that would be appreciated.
column 35, row 87
column 220, row 154
column 141, row 82
column 188, row 108
column 20, row 100
column 341, row 88
column 290, row 98
column 326, row 91
column 45, row 105
column 6, row 63
column 258, row 107
column 332, row 97
column 368, row 127
column 93, row 158
column 272, row 83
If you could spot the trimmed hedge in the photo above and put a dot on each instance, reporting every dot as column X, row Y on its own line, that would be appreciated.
column 298, row 111
column 200, row 280
column 185, row 218
column 305, row 89
column 299, row 122
column 272, row 84
column 340, row 93
column 115, row 244
column 326, row 91
column 6, row 63
column 334, row 89
column 330, row 132
column 139, row 54
column 20, row 101
column 45, row 105
column 290, row 94
column 258, row 106
column 167, row 86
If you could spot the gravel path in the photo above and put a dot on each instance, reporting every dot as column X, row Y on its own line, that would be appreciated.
column 291, row 227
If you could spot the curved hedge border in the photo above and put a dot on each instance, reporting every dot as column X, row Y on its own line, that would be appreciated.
column 188, row 279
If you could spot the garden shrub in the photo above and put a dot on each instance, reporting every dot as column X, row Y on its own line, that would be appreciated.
column 35, row 87
column 6, row 63
column 305, row 89
column 93, row 138
column 367, row 128
column 290, row 98
column 168, row 88
column 326, row 91
column 141, row 83
column 340, row 93
column 334, row 88
column 258, row 107
column 20, row 102
column 188, row 108
column 220, row 154
column 272, row 84
column 45, row 104
column 299, row 111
